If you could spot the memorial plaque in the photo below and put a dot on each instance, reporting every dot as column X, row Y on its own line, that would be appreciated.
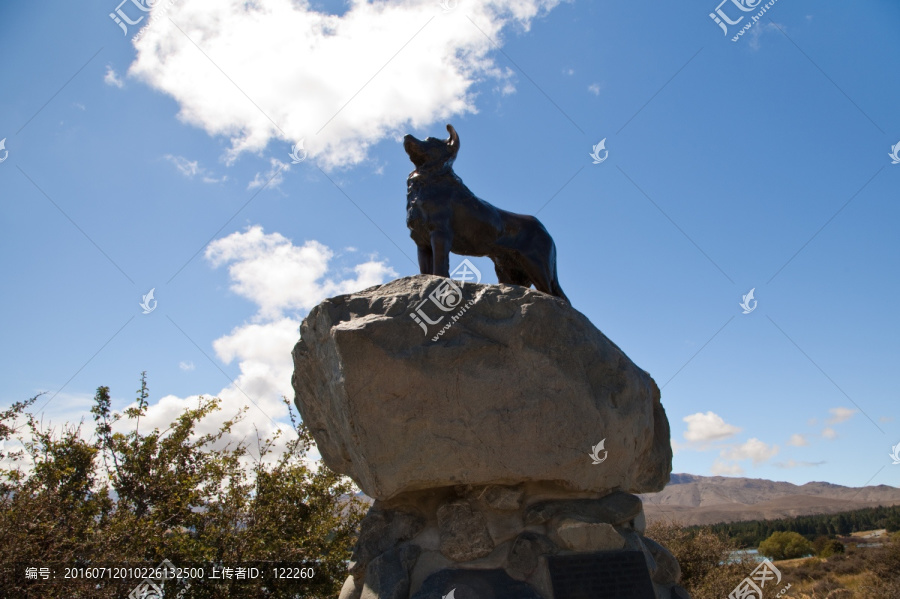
column 601, row 575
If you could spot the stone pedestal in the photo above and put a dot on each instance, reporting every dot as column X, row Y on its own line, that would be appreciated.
column 515, row 436
column 471, row 539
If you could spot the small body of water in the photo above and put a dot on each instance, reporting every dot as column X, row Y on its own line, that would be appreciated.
column 751, row 553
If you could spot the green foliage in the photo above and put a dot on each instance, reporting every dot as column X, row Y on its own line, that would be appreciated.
column 138, row 496
column 752, row 533
column 832, row 547
column 785, row 545
column 708, row 568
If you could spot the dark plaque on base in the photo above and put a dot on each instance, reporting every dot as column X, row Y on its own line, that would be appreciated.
column 601, row 575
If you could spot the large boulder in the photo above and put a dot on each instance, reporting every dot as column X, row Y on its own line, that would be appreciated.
column 509, row 385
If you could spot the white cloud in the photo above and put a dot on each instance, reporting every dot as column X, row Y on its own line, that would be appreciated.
column 797, row 440
column 708, row 427
column 188, row 168
column 112, row 78
column 192, row 168
column 839, row 415
column 594, row 88
column 885, row 418
column 760, row 29
column 569, row 72
column 829, row 433
column 280, row 70
column 260, row 349
column 278, row 276
column 720, row 468
column 273, row 177
column 753, row 449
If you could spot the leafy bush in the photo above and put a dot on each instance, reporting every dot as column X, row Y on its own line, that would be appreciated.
column 709, row 570
column 785, row 545
column 830, row 548
column 144, row 496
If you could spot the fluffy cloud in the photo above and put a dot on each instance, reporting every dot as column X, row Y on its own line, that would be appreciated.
column 279, row 69
column 829, row 433
column 708, row 427
column 279, row 276
column 839, row 415
column 797, row 440
column 112, row 78
column 752, row 449
column 761, row 29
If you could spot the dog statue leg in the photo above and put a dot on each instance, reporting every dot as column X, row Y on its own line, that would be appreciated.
column 426, row 260
column 440, row 247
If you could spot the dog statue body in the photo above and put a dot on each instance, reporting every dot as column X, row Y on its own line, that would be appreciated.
column 444, row 216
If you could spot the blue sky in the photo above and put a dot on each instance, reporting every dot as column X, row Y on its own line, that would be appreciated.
column 158, row 158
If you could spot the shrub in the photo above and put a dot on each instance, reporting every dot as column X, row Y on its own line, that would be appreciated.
column 785, row 545
column 708, row 569
column 143, row 496
column 830, row 548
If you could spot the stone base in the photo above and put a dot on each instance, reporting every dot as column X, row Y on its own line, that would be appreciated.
column 495, row 542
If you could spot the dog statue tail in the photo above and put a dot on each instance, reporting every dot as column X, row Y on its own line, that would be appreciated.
column 555, row 289
column 558, row 292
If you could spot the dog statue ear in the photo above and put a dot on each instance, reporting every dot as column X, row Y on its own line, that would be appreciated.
column 453, row 142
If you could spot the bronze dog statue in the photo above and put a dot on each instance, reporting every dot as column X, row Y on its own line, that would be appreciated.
column 443, row 216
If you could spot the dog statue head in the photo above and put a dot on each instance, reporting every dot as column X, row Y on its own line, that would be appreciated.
column 432, row 153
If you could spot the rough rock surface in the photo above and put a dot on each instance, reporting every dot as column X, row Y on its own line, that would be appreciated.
column 616, row 508
column 464, row 532
column 668, row 571
column 381, row 530
column 526, row 551
column 577, row 535
column 387, row 576
column 519, row 388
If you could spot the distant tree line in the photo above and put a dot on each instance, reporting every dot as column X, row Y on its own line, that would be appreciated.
column 753, row 532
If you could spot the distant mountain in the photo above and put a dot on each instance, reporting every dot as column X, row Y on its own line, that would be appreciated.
column 691, row 499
